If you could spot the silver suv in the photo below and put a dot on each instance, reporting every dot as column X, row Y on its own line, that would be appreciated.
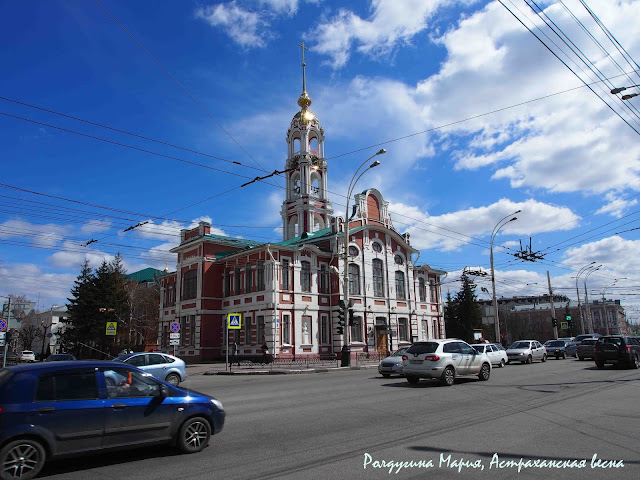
column 444, row 360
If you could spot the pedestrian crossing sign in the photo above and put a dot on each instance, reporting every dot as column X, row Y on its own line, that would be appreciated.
column 234, row 320
column 111, row 328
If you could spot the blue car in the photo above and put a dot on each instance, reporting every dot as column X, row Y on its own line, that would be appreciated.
column 67, row 408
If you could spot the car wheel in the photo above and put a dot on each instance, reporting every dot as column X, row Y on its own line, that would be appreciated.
column 485, row 372
column 110, row 382
column 600, row 364
column 502, row 363
column 386, row 375
column 412, row 380
column 194, row 435
column 448, row 377
column 544, row 358
column 508, row 362
column 22, row 459
column 564, row 356
column 636, row 362
column 173, row 379
column 529, row 359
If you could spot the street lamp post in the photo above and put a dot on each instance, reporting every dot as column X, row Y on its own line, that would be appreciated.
column 495, row 231
column 604, row 304
column 586, row 297
column 582, row 330
column 346, row 351
column 45, row 326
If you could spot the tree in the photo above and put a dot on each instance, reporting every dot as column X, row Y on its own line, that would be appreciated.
column 462, row 313
column 97, row 298
column 29, row 332
column 144, row 305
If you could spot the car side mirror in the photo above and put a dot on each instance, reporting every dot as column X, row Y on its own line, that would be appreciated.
column 164, row 391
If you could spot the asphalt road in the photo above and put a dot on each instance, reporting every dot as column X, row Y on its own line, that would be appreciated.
column 328, row 426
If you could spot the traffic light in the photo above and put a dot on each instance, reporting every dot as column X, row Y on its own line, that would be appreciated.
column 554, row 321
column 341, row 320
column 569, row 321
column 351, row 317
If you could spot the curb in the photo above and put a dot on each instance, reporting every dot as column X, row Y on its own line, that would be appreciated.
column 289, row 372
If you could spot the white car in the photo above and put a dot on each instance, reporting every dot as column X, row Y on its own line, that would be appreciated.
column 498, row 357
column 392, row 364
column 444, row 360
column 526, row 351
column 27, row 356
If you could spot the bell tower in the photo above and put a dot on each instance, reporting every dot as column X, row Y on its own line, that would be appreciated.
column 306, row 207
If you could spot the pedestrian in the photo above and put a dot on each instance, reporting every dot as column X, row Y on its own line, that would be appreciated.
column 265, row 353
column 234, row 354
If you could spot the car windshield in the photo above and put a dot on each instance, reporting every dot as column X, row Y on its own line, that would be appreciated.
column 556, row 343
column 418, row 348
column 479, row 348
column 520, row 345
column 122, row 358
column 398, row 352
column 589, row 341
column 612, row 340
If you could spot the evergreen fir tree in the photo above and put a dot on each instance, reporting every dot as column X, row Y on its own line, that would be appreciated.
column 468, row 314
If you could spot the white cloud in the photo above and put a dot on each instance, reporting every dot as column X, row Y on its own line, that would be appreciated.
column 617, row 205
column 72, row 256
column 96, row 226
column 389, row 25
column 27, row 278
column 288, row 7
column 246, row 28
column 37, row 234
column 535, row 217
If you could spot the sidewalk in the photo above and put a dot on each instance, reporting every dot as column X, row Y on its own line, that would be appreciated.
column 258, row 369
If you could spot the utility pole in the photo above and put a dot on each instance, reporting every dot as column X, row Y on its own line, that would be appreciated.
column 554, row 320
column 6, row 339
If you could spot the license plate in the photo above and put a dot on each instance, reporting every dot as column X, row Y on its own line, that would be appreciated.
column 415, row 361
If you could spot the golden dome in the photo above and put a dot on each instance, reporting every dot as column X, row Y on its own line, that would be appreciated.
column 304, row 101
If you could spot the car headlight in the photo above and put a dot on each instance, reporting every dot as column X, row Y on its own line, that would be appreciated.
column 217, row 403
column 521, row 353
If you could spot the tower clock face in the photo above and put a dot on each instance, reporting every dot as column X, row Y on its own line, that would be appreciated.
column 353, row 251
column 398, row 259
column 377, row 247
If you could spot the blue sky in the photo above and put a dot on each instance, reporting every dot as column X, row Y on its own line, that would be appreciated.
column 376, row 71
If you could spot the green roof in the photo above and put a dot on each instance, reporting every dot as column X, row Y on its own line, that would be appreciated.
column 236, row 242
column 309, row 236
column 145, row 275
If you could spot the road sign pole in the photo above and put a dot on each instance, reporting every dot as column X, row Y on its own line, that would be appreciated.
column 226, row 343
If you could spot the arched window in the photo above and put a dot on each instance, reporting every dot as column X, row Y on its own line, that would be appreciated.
column 295, row 181
column 354, row 279
column 323, row 279
column 305, row 277
column 400, row 293
column 296, row 146
column 227, row 282
column 315, row 184
column 432, row 291
column 313, row 146
column 378, row 277
column 422, row 290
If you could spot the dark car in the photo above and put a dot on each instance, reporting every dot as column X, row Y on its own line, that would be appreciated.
column 618, row 349
column 573, row 344
column 586, row 348
column 60, row 357
column 66, row 408
column 557, row 348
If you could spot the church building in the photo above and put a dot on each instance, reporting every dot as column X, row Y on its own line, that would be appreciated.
column 288, row 292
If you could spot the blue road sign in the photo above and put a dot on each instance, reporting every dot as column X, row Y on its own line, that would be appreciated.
column 234, row 320
column 175, row 327
column 3, row 325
